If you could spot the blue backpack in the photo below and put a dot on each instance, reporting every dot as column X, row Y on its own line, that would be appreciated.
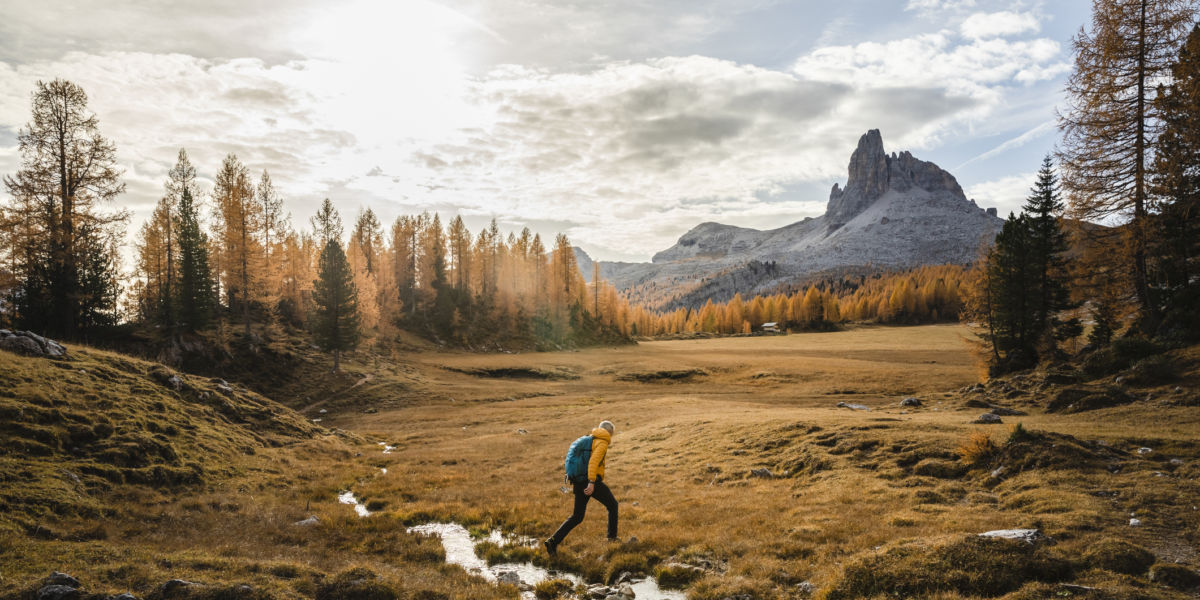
column 578, row 456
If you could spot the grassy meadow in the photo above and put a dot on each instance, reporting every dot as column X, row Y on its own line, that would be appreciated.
column 854, row 503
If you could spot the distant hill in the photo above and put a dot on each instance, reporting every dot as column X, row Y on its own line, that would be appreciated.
column 896, row 212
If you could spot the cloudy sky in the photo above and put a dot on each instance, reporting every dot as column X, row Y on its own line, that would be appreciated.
column 622, row 123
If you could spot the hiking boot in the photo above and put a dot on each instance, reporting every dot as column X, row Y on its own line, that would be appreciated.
column 551, row 546
column 615, row 540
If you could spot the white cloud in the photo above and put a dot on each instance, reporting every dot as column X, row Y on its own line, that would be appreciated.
column 369, row 107
column 1040, row 130
column 938, row 5
column 999, row 24
column 1007, row 194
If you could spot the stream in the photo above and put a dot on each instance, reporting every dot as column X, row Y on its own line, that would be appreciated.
column 460, row 550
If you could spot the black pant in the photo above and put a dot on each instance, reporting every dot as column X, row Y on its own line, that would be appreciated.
column 601, row 493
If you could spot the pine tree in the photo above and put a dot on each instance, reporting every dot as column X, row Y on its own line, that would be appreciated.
column 327, row 224
column 1011, row 293
column 1110, row 130
column 1175, row 245
column 66, row 261
column 196, row 298
column 1047, row 246
column 335, row 317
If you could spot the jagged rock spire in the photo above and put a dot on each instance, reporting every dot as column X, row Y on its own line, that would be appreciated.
column 868, row 180
column 873, row 173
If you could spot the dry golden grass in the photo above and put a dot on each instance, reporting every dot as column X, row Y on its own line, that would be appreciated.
column 480, row 440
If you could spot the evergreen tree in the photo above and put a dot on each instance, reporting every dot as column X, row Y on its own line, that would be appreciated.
column 1047, row 245
column 195, row 290
column 335, row 317
column 1175, row 245
column 327, row 224
column 1009, row 279
column 66, row 261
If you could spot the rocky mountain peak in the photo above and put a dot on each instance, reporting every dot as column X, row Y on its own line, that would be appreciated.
column 872, row 173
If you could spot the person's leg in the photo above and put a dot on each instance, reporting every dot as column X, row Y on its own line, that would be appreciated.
column 605, row 496
column 576, row 515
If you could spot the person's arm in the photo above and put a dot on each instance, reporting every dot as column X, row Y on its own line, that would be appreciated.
column 598, row 450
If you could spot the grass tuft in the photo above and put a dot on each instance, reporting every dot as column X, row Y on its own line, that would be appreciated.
column 978, row 449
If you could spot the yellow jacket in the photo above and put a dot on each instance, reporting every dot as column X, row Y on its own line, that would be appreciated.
column 601, row 438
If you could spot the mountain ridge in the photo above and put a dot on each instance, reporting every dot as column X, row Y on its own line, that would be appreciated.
column 896, row 211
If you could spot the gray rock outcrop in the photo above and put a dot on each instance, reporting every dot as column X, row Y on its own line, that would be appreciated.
column 30, row 343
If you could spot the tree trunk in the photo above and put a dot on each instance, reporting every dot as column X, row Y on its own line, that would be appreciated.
column 1139, row 197
column 245, row 275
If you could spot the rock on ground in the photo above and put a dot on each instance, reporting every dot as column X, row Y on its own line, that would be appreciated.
column 1029, row 536
column 30, row 343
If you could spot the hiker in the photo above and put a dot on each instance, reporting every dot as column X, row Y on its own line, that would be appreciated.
column 588, row 485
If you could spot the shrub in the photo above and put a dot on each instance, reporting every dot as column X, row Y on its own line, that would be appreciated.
column 1130, row 349
column 1017, row 434
column 1118, row 556
column 1102, row 362
column 978, row 449
column 1153, row 369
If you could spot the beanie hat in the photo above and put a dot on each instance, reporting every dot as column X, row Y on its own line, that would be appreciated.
column 607, row 425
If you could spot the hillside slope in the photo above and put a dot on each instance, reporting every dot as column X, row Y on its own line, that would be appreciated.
column 134, row 478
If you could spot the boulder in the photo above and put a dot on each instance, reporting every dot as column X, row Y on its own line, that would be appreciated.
column 910, row 401
column 1029, row 536
column 509, row 577
column 599, row 592
column 763, row 472
column 174, row 585
column 21, row 345
column 309, row 522
column 58, row 592
column 57, row 578
column 1007, row 412
column 988, row 419
column 853, row 406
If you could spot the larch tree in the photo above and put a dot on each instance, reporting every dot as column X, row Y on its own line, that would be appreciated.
column 66, row 263
column 274, row 230
column 1112, row 123
column 460, row 253
column 239, row 220
column 155, row 296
